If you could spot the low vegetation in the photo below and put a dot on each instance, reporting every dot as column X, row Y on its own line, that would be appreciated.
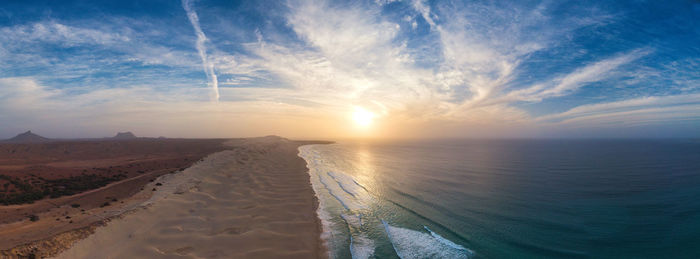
column 39, row 188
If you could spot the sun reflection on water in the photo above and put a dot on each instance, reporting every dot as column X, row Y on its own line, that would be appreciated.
column 365, row 168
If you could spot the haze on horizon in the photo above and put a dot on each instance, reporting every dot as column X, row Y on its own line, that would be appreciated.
column 328, row 69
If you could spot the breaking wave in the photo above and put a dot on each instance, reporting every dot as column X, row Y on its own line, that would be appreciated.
column 415, row 244
column 350, row 225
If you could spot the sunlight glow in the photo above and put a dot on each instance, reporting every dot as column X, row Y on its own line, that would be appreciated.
column 362, row 117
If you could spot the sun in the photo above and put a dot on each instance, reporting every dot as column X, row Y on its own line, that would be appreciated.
column 362, row 117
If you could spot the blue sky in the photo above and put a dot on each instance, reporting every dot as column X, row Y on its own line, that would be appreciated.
column 298, row 68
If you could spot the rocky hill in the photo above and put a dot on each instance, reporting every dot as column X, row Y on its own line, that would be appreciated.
column 125, row 135
column 28, row 137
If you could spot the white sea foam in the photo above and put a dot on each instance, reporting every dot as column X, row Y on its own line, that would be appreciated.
column 348, row 202
column 354, row 220
column 415, row 244
column 327, row 225
column 333, row 184
column 347, row 183
column 361, row 247
column 330, row 231
column 447, row 241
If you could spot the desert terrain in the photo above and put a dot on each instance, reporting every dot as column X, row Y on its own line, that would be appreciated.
column 50, row 187
column 247, row 198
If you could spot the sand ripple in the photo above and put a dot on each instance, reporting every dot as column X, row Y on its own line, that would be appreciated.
column 252, row 201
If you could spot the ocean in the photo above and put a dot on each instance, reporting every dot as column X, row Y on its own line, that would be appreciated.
column 508, row 198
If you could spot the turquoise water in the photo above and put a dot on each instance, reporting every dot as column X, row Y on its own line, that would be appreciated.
column 509, row 198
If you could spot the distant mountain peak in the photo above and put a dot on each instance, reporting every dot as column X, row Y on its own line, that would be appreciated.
column 125, row 135
column 28, row 137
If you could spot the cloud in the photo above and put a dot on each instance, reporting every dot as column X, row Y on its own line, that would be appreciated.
column 350, row 58
column 632, row 110
column 473, row 68
column 424, row 11
column 590, row 73
column 94, row 54
column 355, row 56
column 27, row 104
column 60, row 33
column 201, row 48
column 566, row 84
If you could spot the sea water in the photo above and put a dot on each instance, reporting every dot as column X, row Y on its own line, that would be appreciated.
column 508, row 198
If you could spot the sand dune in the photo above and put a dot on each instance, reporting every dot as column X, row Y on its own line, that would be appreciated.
column 254, row 201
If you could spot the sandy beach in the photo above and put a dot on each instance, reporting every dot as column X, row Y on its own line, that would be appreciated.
column 253, row 201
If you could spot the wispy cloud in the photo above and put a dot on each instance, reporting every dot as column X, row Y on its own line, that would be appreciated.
column 355, row 56
column 590, row 73
column 639, row 107
column 201, row 48
column 424, row 11
column 467, row 66
column 28, row 104
column 60, row 33
column 566, row 84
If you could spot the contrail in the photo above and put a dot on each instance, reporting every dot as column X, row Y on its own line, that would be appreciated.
column 201, row 48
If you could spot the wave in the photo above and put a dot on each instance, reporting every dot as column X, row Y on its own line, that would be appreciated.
column 354, row 220
column 354, row 198
column 340, row 188
column 409, row 243
column 415, row 213
column 348, row 203
column 343, row 187
column 361, row 247
column 313, row 161
column 446, row 241
column 347, row 183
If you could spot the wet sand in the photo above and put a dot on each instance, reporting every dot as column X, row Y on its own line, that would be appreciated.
column 253, row 201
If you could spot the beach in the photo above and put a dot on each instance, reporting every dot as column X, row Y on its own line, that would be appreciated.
column 253, row 200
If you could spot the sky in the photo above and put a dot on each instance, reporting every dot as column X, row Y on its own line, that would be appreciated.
column 306, row 69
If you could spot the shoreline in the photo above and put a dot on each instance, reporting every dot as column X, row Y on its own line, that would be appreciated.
column 326, row 225
column 323, row 250
column 297, row 236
